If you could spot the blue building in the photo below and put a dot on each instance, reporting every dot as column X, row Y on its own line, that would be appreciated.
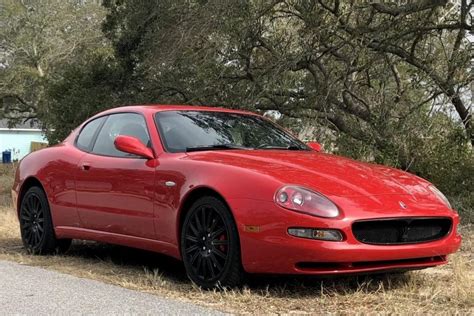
column 18, row 139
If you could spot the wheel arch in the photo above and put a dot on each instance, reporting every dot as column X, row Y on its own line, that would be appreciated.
column 26, row 185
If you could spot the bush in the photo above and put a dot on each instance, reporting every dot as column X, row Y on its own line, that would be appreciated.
column 447, row 160
column 432, row 146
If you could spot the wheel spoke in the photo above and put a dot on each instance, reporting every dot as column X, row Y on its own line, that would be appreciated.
column 27, row 206
column 35, row 203
column 36, row 238
column 31, row 207
column 38, row 205
column 215, row 262
column 213, row 224
column 220, row 253
column 218, row 232
column 204, row 267
column 25, row 210
column 219, row 242
column 209, row 218
column 194, row 229
column 192, row 248
column 191, row 238
column 28, row 235
column 210, row 267
column 198, row 265
column 29, row 240
column 198, row 224
column 204, row 216
column 194, row 257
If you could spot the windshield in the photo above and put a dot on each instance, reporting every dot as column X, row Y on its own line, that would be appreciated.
column 206, row 130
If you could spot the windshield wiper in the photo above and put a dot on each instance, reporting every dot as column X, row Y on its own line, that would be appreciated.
column 214, row 147
column 291, row 147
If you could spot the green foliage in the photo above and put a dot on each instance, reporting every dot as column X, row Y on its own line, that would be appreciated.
column 37, row 39
column 372, row 81
column 432, row 147
column 447, row 160
column 82, row 90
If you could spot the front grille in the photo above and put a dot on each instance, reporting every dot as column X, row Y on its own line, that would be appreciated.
column 401, row 230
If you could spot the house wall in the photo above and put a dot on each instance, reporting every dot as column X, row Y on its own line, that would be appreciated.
column 19, row 141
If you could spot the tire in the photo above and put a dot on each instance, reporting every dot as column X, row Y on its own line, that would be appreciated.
column 210, row 245
column 36, row 226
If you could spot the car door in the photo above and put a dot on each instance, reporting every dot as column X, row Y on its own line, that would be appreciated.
column 62, row 188
column 115, row 189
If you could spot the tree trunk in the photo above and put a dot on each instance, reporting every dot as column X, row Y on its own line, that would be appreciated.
column 463, row 112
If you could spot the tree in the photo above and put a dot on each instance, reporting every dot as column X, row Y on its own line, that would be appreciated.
column 375, row 80
column 358, row 68
column 36, row 39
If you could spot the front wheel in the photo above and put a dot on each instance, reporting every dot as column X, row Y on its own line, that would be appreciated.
column 36, row 226
column 210, row 245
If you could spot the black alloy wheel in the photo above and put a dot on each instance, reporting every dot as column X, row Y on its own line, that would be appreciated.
column 36, row 226
column 32, row 220
column 210, row 245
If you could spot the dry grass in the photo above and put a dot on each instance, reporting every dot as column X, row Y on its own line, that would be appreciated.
column 443, row 290
column 7, row 173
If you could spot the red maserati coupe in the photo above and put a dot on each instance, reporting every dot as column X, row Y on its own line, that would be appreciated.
column 227, row 192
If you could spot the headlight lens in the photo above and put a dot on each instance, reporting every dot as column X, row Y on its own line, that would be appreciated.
column 303, row 200
column 440, row 196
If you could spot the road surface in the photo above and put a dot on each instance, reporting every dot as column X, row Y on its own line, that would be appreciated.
column 36, row 291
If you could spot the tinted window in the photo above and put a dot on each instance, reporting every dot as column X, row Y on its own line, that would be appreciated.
column 128, row 124
column 194, row 130
column 87, row 134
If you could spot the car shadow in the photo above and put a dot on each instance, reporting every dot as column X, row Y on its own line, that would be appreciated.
column 130, row 258
column 284, row 286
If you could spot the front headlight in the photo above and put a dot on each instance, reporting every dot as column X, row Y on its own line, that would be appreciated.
column 440, row 196
column 303, row 200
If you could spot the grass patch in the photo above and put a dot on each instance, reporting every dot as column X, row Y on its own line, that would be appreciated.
column 7, row 174
column 442, row 290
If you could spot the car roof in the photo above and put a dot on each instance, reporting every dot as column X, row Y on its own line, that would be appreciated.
column 167, row 107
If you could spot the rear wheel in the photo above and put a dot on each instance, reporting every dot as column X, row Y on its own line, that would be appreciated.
column 36, row 226
column 210, row 245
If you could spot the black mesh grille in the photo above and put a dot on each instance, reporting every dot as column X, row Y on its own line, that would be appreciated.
column 401, row 230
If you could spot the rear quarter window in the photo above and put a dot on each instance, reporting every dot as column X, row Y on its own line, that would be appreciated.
column 86, row 135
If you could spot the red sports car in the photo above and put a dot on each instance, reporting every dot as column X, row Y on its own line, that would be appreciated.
column 227, row 192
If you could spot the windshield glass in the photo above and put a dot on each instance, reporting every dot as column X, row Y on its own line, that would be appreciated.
column 206, row 130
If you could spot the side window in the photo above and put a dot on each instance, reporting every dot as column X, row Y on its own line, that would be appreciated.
column 87, row 134
column 129, row 124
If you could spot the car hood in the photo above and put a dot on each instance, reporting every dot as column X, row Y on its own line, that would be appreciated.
column 329, row 174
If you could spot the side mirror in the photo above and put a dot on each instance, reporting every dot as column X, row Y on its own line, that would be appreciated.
column 315, row 146
column 132, row 145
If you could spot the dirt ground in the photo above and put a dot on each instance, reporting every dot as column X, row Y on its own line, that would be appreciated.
column 443, row 290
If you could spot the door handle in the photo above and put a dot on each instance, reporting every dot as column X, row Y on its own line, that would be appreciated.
column 86, row 166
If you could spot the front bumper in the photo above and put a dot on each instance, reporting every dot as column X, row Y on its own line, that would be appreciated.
column 268, row 248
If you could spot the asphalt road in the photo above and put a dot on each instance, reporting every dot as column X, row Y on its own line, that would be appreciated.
column 35, row 291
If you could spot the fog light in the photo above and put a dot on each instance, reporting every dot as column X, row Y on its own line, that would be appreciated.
column 315, row 233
